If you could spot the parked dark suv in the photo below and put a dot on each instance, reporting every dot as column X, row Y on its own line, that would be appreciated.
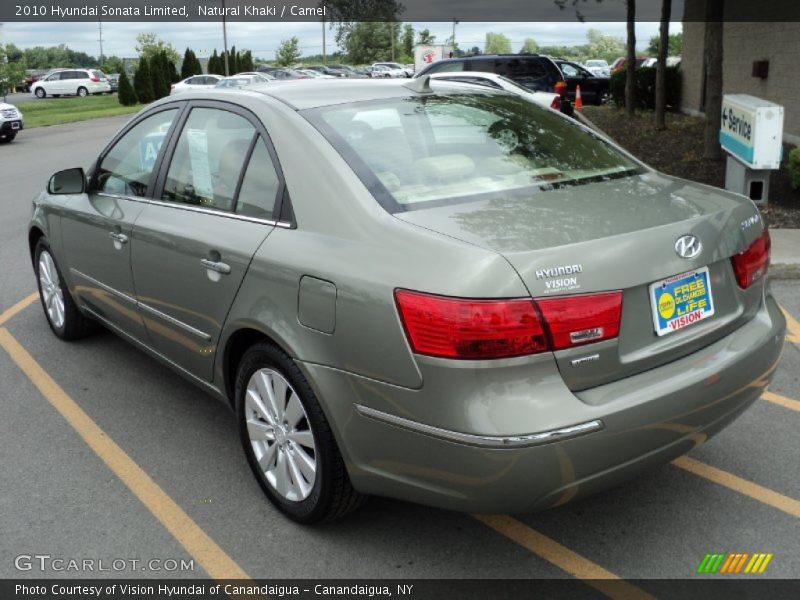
column 537, row 73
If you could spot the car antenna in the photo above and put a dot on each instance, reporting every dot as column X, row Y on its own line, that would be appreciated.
column 420, row 85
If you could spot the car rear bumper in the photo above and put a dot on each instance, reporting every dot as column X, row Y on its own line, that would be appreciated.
column 587, row 441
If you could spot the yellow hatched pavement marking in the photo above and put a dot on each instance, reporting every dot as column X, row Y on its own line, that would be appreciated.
column 594, row 575
column 737, row 484
column 196, row 542
column 18, row 308
column 781, row 400
column 792, row 326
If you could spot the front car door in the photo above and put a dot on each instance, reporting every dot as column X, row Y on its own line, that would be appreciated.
column 97, row 229
column 193, row 246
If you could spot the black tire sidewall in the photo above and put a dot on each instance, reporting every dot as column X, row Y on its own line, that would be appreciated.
column 40, row 93
column 315, row 507
column 85, row 92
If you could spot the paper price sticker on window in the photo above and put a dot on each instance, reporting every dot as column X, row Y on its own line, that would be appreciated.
column 681, row 300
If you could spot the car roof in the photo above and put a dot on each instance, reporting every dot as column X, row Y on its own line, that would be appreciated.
column 314, row 93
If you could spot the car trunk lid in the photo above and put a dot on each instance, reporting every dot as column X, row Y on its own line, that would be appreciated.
column 617, row 235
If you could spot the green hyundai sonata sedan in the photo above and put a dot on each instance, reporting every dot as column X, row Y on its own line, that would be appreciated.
column 434, row 292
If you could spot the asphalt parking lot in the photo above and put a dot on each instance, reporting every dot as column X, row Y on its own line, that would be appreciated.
column 107, row 455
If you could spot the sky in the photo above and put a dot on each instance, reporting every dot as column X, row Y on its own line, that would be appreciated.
column 264, row 38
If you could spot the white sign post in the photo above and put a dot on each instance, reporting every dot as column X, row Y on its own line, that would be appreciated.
column 751, row 132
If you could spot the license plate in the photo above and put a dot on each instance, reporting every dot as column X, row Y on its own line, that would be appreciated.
column 681, row 300
column 15, row 126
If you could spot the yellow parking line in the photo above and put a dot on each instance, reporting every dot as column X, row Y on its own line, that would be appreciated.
column 737, row 484
column 781, row 400
column 196, row 542
column 792, row 326
column 18, row 307
column 562, row 557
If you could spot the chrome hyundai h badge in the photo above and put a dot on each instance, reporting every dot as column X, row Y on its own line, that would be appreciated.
column 688, row 246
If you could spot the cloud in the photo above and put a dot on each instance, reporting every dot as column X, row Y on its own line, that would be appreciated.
column 264, row 38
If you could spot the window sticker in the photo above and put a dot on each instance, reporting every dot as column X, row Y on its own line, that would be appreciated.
column 201, row 169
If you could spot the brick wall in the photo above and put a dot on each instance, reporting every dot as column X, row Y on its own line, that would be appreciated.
column 779, row 43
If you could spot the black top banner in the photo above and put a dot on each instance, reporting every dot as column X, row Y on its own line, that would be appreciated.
column 390, row 10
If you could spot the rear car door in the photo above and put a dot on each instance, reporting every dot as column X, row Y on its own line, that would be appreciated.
column 192, row 247
column 97, row 228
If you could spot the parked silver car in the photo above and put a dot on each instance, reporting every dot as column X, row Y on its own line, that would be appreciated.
column 438, row 293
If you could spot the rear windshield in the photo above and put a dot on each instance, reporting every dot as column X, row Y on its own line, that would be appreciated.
column 443, row 149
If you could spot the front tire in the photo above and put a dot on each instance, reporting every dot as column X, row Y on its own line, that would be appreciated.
column 7, row 138
column 40, row 93
column 288, row 441
column 61, row 312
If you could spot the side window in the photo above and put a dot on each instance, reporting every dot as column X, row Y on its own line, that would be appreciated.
column 446, row 67
column 569, row 70
column 486, row 65
column 127, row 167
column 209, row 158
column 259, row 186
column 68, row 75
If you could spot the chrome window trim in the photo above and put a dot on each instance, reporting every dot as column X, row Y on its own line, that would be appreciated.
column 198, row 209
column 201, row 334
column 485, row 441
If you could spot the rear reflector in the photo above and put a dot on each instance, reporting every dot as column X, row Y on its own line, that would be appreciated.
column 578, row 320
column 467, row 328
column 470, row 329
column 751, row 265
column 556, row 103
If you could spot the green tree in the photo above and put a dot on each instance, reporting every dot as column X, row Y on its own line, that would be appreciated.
column 143, row 82
column 425, row 38
column 214, row 65
column 159, row 76
column 148, row 45
column 191, row 65
column 497, row 43
column 288, row 52
column 606, row 47
column 112, row 64
column 529, row 46
column 674, row 46
column 246, row 61
column 126, row 94
column 408, row 42
column 12, row 69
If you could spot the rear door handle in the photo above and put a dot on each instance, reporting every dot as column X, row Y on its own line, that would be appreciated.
column 219, row 267
column 118, row 237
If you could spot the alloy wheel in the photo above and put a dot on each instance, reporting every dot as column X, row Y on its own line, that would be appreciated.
column 50, row 286
column 280, row 435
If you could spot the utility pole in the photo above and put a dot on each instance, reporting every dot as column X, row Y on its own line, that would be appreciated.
column 391, row 33
column 100, row 39
column 225, row 39
column 324, row 54
column 453, row 39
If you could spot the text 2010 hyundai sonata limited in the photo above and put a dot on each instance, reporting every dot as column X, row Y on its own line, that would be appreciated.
column 442, row 294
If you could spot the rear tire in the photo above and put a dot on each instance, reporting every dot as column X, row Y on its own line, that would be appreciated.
column 40, row 93
column 60, row 309
column 83, row 92
column 288, row 441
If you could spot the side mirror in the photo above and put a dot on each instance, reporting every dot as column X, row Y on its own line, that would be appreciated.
column 70, row 181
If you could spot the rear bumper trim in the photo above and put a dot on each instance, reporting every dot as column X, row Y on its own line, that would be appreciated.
column 485, row 441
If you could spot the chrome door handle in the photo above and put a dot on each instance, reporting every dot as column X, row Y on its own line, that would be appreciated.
column 219, row 267
column 118, row 237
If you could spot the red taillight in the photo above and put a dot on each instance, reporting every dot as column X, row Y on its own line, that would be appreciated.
column 561, row 87
column 470, row 329
column 751, row 265
column 556, row 103
column 578, row 320
column 95, row 79
column 479, row 329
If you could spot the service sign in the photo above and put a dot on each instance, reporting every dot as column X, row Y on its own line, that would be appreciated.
column 751, row 129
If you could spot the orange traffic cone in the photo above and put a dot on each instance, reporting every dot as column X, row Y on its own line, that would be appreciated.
column 578, row 100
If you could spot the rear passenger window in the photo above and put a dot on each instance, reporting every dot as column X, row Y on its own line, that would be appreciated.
column 260, row 186
column 208, row 159
column 447, row 67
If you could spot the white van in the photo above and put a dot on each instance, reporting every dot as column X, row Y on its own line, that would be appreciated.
column 72, row 82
